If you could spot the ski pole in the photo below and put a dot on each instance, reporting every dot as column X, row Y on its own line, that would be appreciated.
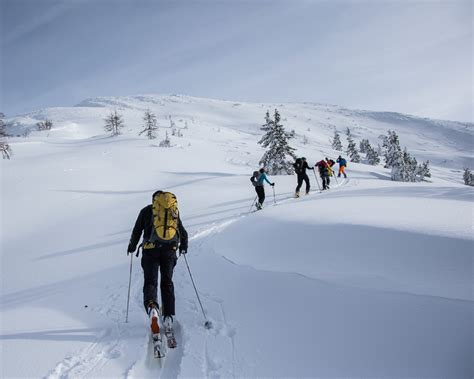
column 335, row 177
column 207, row 324
column 253, row 203
column 315, row 177
column 129, row 285
column 274, row 197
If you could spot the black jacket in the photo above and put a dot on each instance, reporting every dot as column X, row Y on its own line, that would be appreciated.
column 301, row 168
column 144, row 224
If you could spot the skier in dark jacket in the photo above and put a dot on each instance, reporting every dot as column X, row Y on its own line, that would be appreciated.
column 257, row 180
column 301, row 166
column 163, row 257
column 323, row 169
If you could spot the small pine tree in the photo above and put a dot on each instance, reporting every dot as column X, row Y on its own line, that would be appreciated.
column 364, row 145
column 423, row 171
column 468, row 177
column 3, row 126
column 410, row 166
column 4, row 146
column 305, row 139
column 392, row 149
column 45, row 125
column 373, row 157
column 352, row 149
column 113, row 123
column 336, row 141
column 151, row 125
column 166, row 142
column 6, row 150
column 276, row 140
column 398, row 166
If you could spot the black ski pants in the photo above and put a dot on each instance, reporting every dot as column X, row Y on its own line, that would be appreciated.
column 301, row 178
column 163, row 260
column 260, row 193
column 325, row 180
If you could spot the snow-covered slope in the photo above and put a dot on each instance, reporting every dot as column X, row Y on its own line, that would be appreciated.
column 373, row 278
column 444, row 143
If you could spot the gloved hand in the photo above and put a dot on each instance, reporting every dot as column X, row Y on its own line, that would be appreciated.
column 273, row 184
column 182, row 251
column 130, row 249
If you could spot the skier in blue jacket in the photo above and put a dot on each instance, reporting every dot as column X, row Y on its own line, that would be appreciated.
column 258, row 178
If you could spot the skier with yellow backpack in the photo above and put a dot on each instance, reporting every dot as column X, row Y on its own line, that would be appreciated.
column 163, row 235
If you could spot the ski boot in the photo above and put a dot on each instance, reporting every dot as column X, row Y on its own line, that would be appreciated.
column 154, row 314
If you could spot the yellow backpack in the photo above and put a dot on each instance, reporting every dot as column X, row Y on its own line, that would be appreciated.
column 165, row 220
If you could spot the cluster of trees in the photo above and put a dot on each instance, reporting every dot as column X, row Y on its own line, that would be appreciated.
column 372, row 154
column 45, row 125
column 276, row 158
column 405, row 168
column 114, row 123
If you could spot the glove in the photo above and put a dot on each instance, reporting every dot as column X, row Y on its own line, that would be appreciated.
column 273, row 184
column 183, row 251
column 130, row 249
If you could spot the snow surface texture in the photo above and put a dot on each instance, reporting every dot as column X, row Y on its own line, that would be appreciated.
column 370, row 279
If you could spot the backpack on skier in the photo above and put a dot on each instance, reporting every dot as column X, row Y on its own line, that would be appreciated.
column 254, row 178
column 298, row 165
column 165, row 221
column 323, row 168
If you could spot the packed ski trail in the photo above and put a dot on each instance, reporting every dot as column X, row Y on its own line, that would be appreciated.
column 111, row 343
column 215, row 351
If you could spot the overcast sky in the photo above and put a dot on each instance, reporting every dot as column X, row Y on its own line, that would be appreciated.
column 408, row 56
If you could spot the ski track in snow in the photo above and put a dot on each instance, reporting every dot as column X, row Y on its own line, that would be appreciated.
column 112, row 343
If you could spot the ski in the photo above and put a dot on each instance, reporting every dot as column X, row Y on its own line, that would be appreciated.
column 170, row 338
column 157, row 345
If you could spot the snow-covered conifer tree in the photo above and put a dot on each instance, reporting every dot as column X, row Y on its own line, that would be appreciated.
column 45, row 125
column 305, row 139
column 364, row 145
column 468, row 177
column 113, row 123
column 275, row 140
column 352, row 148
column 166, row 142
column 150, row 126
column 398, row 173
column 4, row 146
column 423, row 170
column 373, row 157
column 410, row 167
column 392, row 149
column 336, row 141
column 3, row 127
column 6, row 150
